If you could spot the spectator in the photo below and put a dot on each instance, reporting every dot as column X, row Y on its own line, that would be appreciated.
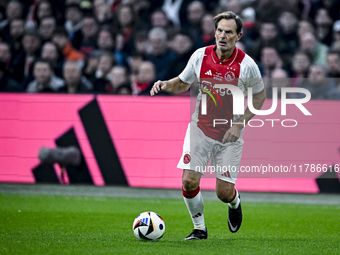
column 43, row 9
column 101, row 80
column 106, row 42
column 333, row 64
column 141, row 43
column 319, row 85
column 44, row 79
column 74, row 18
column 183, row 47
column 269, row 37
column 91, row 65
column 158, row 18
column 134, row 62
column 105, row 64
column 14, row 10
column 332, row 6
column 145, row 78
column 61, row 39
column 324, row 27
column 46, row 28
column 176, row 11
column 207, row 36
column 22, row 62
column 119, row 81
column 5, row 54
column 300, row 7
column 270, row 60
column 304, row 27
column 102, row 12
column 234, row 6
column 336, row 33
column 267, row 10
column 6, row 59
column 160, row 56
column 51, row 52
column 126, row 20
column 7, row 84
column 136, row 30
column 300, row 67
column 279, row 80
column 85, row 40
column 288, row 23
column 195, row 12
column 315, row 49
column 250, row 33
column 74, row 80
column 16, row 32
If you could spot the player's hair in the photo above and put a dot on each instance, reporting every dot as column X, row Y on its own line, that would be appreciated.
column 229, row 15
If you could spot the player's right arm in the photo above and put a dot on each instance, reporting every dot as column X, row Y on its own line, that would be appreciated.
column 173, row 86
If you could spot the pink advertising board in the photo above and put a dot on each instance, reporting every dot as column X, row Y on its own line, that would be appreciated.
column 148, row 136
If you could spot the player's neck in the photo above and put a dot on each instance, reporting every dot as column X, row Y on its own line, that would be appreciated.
column 224, row 55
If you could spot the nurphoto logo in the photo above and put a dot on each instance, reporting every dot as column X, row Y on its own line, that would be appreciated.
column 238, row 103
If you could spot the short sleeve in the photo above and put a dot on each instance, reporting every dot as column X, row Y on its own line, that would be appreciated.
column 254, row 78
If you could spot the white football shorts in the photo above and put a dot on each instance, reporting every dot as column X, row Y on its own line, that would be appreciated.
column 198, row 149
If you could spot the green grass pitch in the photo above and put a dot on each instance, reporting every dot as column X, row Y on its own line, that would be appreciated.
column 51, row 224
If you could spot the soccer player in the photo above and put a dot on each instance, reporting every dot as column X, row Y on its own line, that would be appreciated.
column 213, row 66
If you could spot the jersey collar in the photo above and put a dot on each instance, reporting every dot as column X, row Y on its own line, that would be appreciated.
column 228, row 61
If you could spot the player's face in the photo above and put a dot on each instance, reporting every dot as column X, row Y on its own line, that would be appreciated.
column 225, row 34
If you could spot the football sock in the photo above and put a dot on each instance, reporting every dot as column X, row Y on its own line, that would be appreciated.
column 233, row 204
column 194, row 201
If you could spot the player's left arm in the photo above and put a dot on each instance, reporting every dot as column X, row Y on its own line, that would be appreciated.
column 234, row 132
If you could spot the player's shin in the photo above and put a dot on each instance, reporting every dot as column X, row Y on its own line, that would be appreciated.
column 194, row 201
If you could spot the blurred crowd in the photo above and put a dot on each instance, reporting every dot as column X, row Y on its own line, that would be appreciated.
column 123, row 46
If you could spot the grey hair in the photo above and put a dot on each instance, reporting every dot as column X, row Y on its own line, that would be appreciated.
column 158, row 31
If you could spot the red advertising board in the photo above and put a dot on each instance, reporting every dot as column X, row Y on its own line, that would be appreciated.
column 282, row 153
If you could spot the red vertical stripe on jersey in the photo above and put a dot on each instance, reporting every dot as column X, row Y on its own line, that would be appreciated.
column 214, row 71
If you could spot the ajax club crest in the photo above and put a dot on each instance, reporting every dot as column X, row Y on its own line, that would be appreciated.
column 229, row 76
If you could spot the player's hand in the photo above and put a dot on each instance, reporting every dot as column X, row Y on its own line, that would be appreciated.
column 157, row 87
column 232, row 134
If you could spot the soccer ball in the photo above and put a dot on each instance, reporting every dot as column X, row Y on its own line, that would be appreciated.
column 148, row 226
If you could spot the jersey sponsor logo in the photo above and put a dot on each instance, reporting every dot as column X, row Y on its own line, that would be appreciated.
column 229, row 76
column 210, row 87
column 209, row 73
column 186, row 158
column 218, row 76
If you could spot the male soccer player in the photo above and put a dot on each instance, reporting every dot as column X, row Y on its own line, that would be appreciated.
column 213, row 66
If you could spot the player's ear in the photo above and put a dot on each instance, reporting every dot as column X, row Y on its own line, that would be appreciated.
column 239, row 36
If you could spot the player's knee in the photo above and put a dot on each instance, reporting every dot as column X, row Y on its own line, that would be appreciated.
column 190, row 183
column 226, row 194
